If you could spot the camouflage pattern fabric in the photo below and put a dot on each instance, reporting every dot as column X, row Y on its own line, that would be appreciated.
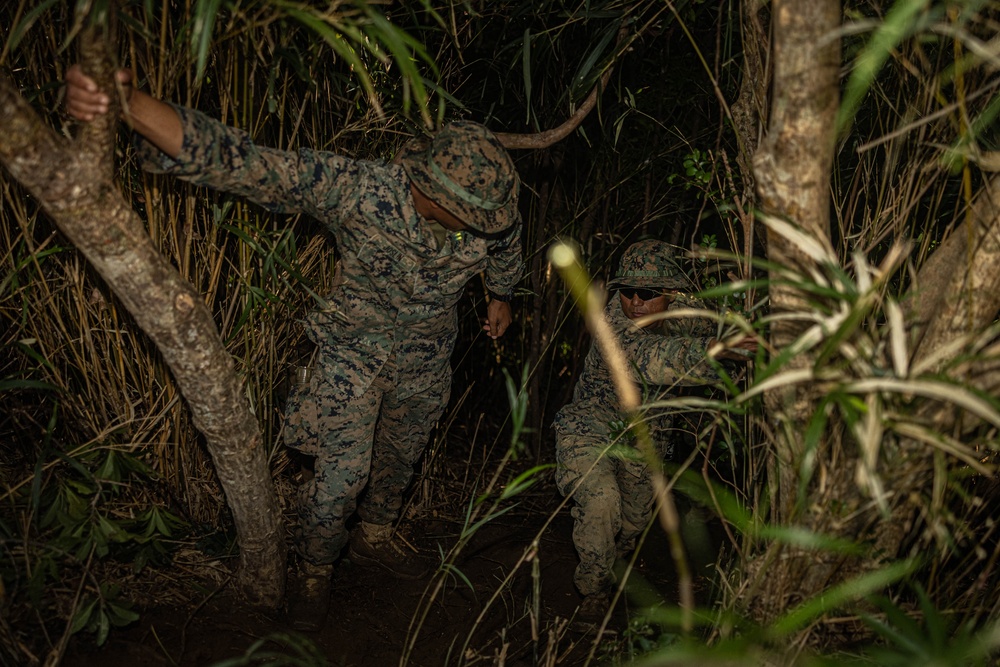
column 649, row 263
column 596, row 456
column 479, row 187
column 351, row 436
column 397, row 299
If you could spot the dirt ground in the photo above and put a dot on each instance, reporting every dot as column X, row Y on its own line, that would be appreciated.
column 372, row 616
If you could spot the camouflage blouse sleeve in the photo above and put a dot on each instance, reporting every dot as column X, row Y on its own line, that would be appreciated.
column 692, row 326
column 666, row 357
column 505, row 264
column 225, row 158
column 672, row 360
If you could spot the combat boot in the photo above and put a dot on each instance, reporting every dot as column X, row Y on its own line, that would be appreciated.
column 309, row 596
column 594, row 608
column 590, row 614
column 372, row 544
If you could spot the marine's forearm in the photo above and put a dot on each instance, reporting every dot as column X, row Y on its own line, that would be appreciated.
column 157, row 121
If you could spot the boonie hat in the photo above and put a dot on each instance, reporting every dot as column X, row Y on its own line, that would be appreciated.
column 649, row 264
column 466, row 170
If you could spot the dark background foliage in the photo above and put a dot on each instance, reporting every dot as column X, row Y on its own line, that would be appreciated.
column 99, row 463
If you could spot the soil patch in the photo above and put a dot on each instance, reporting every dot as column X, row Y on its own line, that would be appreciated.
column 508, row 600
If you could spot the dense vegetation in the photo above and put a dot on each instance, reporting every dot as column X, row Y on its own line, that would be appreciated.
column 103, row 469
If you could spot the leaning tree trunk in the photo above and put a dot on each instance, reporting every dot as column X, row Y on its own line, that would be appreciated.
column 957, row 291
column 73, row 183
column 792, row 169
column 954, row 299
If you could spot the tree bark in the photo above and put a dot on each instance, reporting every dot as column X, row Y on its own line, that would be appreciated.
column 73, row 183
column 957, row 291
column 955, row 297
column 750, row 108
column 792, row 168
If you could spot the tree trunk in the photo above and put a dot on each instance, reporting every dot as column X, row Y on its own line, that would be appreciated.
column 792, row 168
column 73, row 183
column 957, row 291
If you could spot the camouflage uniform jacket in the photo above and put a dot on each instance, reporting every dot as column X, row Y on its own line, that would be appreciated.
column 400, row 285
column 668, row 353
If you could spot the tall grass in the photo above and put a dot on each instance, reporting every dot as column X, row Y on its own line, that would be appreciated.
column 100, row 458
column 77, row 377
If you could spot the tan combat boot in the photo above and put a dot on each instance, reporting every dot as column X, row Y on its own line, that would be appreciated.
column 308, row 596
column 372, row 544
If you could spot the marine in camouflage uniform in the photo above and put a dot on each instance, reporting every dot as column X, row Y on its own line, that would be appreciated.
column 382, row 374
column 597, row 460
column 410, row 235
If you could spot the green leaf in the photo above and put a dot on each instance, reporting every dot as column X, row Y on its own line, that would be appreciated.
column 112, row 530
column 9, row 385
column 458, row 574
column 140, row 560
column 108, row 469
column 802, row 537
column 523, row 481
column 205, row 12
column 838, row 596
column 403, row 47
column 20, row 30
column 471, row 530
column 336, row 41
column 103, row 628
column 82, row 616
column 899, row 24
column 120, row 614
column 585, row 72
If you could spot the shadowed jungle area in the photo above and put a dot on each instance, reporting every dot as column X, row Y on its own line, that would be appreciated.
column 824, row 169
column 475, row 618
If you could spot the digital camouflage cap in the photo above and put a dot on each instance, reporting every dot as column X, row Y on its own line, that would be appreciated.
column 466, row 170
column 649, row 264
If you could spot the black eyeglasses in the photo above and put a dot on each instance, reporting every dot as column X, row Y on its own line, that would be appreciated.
column 643, row 294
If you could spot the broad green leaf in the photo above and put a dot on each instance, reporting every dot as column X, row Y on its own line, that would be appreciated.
column 205, row 12
column 838, row 596
column 901, row 21
column 82, row 616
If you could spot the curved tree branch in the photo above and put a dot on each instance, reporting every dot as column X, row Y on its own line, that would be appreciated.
column 547, row 138
column 87, row 207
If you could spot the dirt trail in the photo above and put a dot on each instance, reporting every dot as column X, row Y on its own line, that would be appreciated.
column 371, row 617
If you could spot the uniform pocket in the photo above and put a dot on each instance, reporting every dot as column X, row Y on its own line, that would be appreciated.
column 301, row 416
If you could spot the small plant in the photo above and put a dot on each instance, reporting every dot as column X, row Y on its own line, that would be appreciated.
column 100, row 612
column 74, row 519
column 80, row 515
column 927, row 635
column 639, row 639
column 698, row 170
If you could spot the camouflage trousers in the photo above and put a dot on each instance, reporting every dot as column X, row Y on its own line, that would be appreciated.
column 613, row 501
column 361, row 442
